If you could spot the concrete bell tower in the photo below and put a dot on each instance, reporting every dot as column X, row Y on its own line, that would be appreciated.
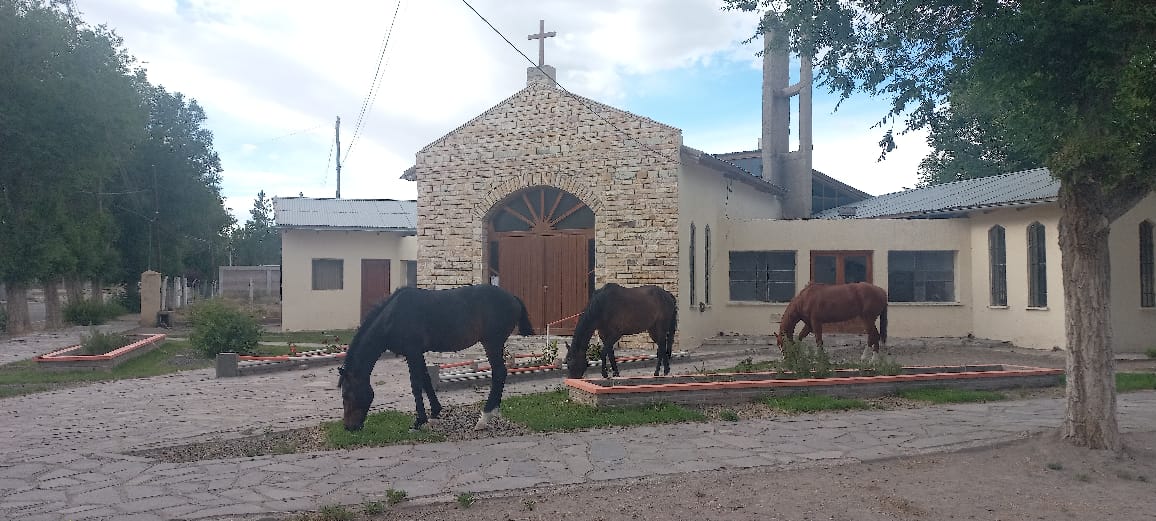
column 781, row 166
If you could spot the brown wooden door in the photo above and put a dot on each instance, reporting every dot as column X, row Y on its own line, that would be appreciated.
column 549, row 274
column 520, row 272
column 374, row 283
column 566, row 259
column 841, row 267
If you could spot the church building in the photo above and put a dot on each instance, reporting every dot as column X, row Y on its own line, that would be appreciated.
column 551, row 195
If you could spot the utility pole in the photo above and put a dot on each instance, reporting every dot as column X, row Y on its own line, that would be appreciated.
column 337, row 133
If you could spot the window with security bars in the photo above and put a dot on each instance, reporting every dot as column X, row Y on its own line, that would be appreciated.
column 1037, row 266
column 1147, row 278
column 997, row 265
column 921, row 276
column 762, row 276
column 706, row 264
column 328, row 274
column 693, row 295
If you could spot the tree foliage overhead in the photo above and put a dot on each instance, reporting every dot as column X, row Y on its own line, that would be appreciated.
column 1006, row 84
column 101, row 173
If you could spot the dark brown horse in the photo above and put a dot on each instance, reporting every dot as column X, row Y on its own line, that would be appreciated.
column 819, row 304
column 414, row 321
column 615, row 311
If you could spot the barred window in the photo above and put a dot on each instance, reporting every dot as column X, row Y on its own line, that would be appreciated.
column 410, row 272
column 921, row 276
column 1037, row 266
column 706, row 263
column 997, row 265
column 762, row 276
column 693, row 296
column 1147, row 279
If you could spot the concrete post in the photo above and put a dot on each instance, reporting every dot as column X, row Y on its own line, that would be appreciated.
column 227, row 365
column 150, row 298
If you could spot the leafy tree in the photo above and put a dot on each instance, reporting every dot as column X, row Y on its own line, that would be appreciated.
column 1063, row 83
column 68, row 115
column 257, row 242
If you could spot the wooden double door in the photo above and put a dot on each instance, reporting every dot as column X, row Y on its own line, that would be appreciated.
column 549, row 273
column 541, row 248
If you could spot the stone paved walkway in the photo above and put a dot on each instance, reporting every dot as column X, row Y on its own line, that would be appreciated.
column 63, row 455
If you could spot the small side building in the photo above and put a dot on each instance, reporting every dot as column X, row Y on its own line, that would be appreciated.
column 339, row 257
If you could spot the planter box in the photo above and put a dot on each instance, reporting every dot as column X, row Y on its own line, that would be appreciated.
column 717, row 389
column 477, row 372
column 67, row 359
column 231, row 364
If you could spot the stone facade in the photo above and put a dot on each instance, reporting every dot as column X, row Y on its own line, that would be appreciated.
column 623, row 167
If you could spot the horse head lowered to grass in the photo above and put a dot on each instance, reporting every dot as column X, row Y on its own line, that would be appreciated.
column 819, row 304
column 615, row 311
column 414, row 321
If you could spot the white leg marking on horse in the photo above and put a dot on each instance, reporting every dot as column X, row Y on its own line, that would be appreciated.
column 484, row 419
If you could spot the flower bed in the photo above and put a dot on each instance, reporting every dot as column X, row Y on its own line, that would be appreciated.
column 736, row 387
column 67, row 359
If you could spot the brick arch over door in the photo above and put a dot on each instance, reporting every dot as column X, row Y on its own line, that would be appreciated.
column 540, row 246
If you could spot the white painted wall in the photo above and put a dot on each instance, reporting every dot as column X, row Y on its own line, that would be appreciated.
column 878, row 235
column 1040, row 328
column 704, row 199
column 304, row 309
column 1134, row 328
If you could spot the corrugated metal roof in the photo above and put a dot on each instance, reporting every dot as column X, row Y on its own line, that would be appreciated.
column 1025, row 187
column 345, row 214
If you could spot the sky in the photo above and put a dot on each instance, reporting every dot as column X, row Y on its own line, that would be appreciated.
column 273, row 76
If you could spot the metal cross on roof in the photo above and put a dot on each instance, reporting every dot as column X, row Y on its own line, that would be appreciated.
column 541, row 37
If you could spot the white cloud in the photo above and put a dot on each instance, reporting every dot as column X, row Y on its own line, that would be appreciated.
column 263, row 69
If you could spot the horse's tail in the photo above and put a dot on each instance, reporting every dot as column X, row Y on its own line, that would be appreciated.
column 673, row 327
column 883, row 324
column 525, row 328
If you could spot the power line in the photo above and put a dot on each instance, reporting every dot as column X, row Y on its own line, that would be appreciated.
column 576, row 97
column 374, row 86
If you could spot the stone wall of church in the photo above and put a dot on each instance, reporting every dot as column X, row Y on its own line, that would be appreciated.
column 624, row 167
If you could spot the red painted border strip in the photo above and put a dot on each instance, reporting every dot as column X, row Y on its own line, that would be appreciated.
column 56, row 356
column 592, row 388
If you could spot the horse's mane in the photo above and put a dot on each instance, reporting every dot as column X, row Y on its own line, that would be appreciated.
column 358, row 345
column 585, row 327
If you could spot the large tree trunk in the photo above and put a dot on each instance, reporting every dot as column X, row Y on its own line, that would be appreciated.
column 74, row 289
column 1090, row 420
column 52, row 316
column 17, row 307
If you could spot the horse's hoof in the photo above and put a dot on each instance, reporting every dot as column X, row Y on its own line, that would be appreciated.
column 484, row 420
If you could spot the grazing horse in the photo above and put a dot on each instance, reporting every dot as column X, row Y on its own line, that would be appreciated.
column 616, row 311
column 819, row 304
column 414, row 321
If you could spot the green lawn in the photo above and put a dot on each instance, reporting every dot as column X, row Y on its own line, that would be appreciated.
column 945, row 395
column 24, row 377
column 553, row 411
column 1135, row 382
column 813, row 403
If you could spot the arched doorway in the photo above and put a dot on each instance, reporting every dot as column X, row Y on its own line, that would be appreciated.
column 541, row 248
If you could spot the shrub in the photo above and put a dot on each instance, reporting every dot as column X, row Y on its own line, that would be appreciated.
column 594, row 351
column 91, row 313
column 806, row 361
column 98, row 343
column 395, row 496
column 221, row 327
column 3, row 319
column 1151, row 352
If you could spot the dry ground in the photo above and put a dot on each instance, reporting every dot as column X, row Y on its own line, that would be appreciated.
column 1041, row 477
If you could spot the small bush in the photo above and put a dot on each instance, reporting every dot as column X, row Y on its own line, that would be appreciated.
column 90, row 313
column 220, row 327
column 373, row 508
column 465, row 499
column 594, row 351
column 98, row 343
column 728, row 415
column 3, row 319
column 395, row 496
column 1151, row 352
column 806, row 361
column 335, row 513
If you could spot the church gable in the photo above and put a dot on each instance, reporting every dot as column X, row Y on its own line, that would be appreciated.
column 623, row 167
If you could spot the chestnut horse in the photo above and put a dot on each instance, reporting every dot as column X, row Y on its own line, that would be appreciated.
column 414, row 321
column 616, row 311
column 819, row 304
